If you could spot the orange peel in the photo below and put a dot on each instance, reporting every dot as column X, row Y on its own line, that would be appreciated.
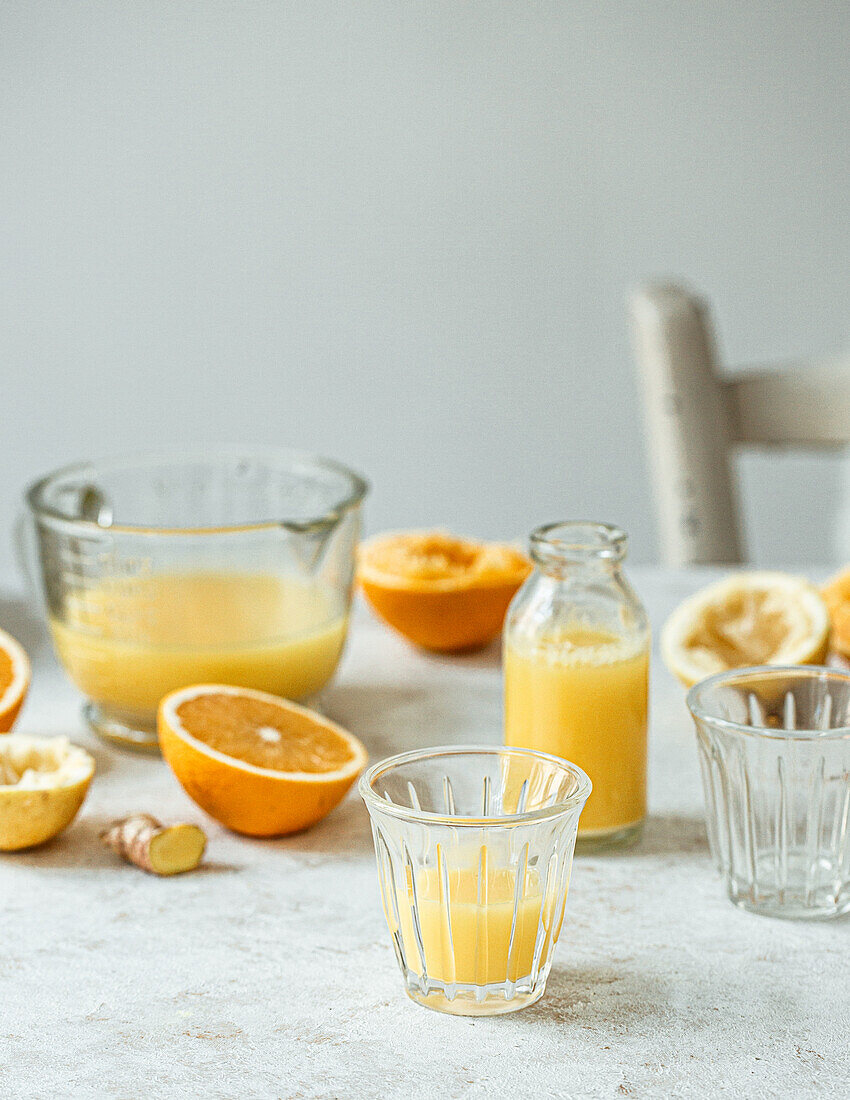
column 15, row 676
column 258, row 764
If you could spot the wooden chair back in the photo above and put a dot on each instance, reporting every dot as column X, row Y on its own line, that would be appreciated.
column 695, row 418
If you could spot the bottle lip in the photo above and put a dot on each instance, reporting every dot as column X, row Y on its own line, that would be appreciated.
column 578, row 540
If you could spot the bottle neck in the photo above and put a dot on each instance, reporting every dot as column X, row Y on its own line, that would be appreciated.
column 566, row 550
column 590, row 570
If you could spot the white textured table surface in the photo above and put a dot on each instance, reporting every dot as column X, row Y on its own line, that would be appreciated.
column 270, row 972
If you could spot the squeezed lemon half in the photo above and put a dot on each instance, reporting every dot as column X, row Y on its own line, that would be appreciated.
column 755, row 618
column 43, row 782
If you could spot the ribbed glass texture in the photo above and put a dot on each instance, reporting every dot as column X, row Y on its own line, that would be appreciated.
column 774, row 747
column 474, row 849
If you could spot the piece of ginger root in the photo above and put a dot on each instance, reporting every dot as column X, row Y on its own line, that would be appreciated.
column 160, row 849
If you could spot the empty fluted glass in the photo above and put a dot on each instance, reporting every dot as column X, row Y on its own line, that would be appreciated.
column 474, row 850
column 775, row 755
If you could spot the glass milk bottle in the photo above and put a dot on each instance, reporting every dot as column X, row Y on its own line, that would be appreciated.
column 576, row 662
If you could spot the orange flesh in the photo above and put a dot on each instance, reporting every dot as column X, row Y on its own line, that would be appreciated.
column 263, row 734
column 7, row 672
column 434, row 556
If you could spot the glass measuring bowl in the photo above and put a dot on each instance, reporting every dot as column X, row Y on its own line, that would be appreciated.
column 158, row 571
column 474, row 850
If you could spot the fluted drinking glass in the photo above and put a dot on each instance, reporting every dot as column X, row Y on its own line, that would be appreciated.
column 774, row 746
column 474, row 850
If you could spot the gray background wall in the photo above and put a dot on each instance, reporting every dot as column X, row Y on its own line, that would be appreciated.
column 401, row 234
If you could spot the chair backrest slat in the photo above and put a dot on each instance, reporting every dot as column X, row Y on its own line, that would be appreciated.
column 694, row 417
column 687, row 425
column 806, row 405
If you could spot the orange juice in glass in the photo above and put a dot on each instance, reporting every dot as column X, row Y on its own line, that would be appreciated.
column 474, row 848
column 576, row 667
column 160, row 571
column 475, row 929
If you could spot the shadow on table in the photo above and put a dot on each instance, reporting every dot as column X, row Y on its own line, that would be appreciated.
column 216, row 867
column 392, row 718
column 107, row 757
column 344, row 832
column 22, row 621
column 611, row 997
column 488, row 657
column 673, row 834
column 78, row 847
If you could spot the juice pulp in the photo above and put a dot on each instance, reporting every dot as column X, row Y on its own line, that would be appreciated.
column 582, row 694
column 476, row 949
column 127, row 643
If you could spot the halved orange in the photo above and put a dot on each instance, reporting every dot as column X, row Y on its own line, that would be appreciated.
column 14, row 680
column 441, row 592
column 258, row 764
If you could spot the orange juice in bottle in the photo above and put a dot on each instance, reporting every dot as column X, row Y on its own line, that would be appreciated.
column 576, row 665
